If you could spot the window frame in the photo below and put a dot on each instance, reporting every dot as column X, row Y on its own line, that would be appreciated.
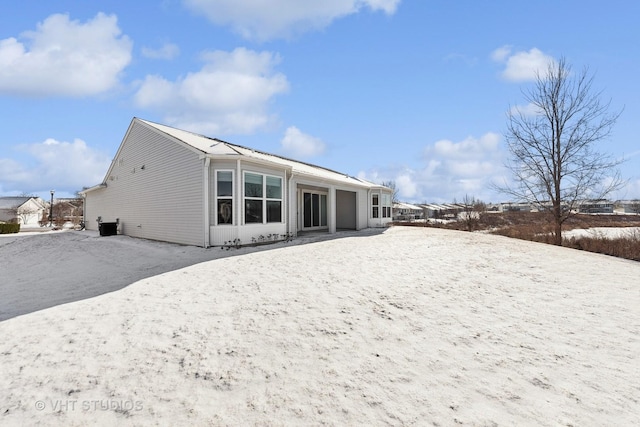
column 264, row 198
column 217, row 197
column 375, row 205
column 386, row 205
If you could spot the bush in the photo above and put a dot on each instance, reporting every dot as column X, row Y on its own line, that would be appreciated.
column 623, row 247
column 537, row 227
column 9, row 228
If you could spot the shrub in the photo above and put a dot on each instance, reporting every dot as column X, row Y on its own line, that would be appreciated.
column 535, row 226
column 623, row 247
column 9, row 228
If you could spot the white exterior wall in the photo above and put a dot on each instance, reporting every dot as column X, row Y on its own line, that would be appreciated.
column 163, row 201
column 27, row 215
column 247, row 233
column 295, row 210
column 30, row 214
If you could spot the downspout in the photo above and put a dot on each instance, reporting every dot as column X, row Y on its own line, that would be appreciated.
column 206, row 219
column 368, row 207
column 292, row 203
column 239, row 197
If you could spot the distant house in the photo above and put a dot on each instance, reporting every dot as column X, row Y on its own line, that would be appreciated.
column 516, row 207
column 627, row 206
column 26, row 211
column 447, row 211
column 68, row 210
column 173, row 185
column 407, row 212
column 599, row 206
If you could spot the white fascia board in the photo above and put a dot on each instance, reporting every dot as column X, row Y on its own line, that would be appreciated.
column 95, row 187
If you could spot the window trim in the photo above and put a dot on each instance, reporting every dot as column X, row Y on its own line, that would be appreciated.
column 264, row 199
column 387, row 204
column 375, row 207
column 216, row 197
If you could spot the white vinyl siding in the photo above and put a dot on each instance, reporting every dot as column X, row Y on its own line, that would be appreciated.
column 155, row 188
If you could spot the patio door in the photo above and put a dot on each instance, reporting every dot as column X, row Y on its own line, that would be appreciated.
column 314, row 210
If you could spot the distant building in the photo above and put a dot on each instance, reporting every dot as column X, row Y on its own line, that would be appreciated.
column 407, row 212
column 68, row 210
column 442, row 211
column 627, row 206
column 26, row 211
column 515, row 207
column 600, row 206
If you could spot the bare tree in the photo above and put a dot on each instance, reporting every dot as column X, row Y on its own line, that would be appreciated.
column 25, row 214
column 392, row 186
column 552, row 154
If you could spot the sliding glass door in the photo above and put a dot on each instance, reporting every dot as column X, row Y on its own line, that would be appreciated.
column 314, row 210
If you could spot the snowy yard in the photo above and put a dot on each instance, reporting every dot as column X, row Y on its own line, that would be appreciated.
column 412, row 326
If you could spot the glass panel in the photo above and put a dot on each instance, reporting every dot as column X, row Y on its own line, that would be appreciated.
column 225, row 184
column 307, row 209
column 315, row 212
column 225, row 211
column 274, row 187
column 252, row 211
column 274, row 211
column 252, row 185
column 323, row 210
column 374, row 200
column 375, row 212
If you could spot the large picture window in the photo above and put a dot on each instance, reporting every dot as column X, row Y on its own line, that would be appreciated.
column 386, row 206
column 224, row 197
column 262, row 198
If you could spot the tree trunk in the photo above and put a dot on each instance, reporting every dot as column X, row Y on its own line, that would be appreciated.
column 557, row 238
column 557, row 222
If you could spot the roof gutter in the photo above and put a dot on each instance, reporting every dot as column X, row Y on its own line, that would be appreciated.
column 94, row 188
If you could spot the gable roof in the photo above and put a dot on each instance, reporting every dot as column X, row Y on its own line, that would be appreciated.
column 16, row 202
column 219, row 148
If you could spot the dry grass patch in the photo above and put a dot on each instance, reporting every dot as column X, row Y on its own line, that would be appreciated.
column 538, row 227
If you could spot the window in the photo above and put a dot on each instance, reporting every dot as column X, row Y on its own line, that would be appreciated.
column 262, row 198
column 253, row 198
column 274, row 199
column 375, row 206
column 386, row 206
column 224, row 197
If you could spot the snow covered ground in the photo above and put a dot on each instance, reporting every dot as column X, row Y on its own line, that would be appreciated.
column 412, row 326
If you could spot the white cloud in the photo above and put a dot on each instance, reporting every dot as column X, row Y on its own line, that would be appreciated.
column 449, row 170
column 64, row 57
column 230, row 94
column 167, row 51
column 407, row 187
column 300, row 145
column 65, row 166
column 523, row 65
column 470, row 147
column 501, row 53
column 264, row 20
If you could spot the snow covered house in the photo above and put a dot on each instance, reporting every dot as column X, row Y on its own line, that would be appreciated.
column 26, row 211
column 173, row 185
column 407, row 212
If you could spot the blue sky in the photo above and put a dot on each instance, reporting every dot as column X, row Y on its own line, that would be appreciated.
column 410, row 91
